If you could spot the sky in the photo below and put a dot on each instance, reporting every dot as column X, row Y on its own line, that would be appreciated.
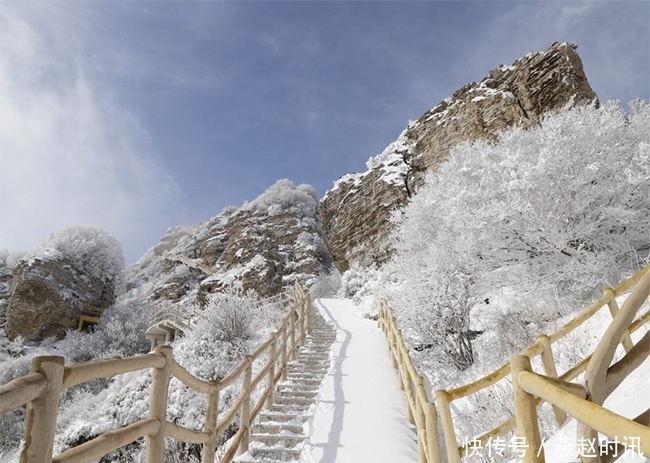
column 139, row 116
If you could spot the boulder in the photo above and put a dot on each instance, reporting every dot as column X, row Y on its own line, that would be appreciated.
column 48, row 295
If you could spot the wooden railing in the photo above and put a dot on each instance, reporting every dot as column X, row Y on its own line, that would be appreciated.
column 419, row 409
column 41, row 392
column 410, row 379
column 585, row 404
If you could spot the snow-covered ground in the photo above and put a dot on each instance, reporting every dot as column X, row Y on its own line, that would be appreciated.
column 360, row 413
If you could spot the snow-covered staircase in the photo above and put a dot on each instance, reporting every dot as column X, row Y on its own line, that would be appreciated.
column 278, row 435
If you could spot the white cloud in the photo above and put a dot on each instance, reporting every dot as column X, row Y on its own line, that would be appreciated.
column 271, row 42
column 69, row 153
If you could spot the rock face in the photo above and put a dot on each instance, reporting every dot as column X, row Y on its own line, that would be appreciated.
column 355, row 212
column 264, row 246
column 48, row 295
column 6, row 272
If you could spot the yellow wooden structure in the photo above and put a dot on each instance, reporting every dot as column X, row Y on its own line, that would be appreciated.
column 89, row 317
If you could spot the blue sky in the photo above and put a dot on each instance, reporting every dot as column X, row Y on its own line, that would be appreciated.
column 139, row 116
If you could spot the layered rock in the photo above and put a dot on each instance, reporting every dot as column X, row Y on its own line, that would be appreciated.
column 48, row 296
column 355, row 212
column 6, row 272
column 263, row 246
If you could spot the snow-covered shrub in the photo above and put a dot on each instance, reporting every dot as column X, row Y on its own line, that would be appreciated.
column 284, row 196
column 120, row 331
column 356, row 281
column 228, row 316
column 555, row 211
column 9, row 260
column 326, row 285
column 91, row 249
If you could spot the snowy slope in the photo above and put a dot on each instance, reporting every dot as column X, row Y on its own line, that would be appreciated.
column 360, row 413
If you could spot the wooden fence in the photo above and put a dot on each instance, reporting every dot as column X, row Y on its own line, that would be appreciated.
column 41, row 392
column 597, row 377
column 420, row 410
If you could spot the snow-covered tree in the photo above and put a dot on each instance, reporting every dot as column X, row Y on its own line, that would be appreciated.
column 90, row 249
column 559, row 209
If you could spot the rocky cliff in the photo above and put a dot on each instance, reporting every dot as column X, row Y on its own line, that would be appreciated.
column 264, row 246
column 356, row 210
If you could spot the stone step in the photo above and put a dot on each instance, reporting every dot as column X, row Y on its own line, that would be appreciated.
column 315, row 373
column 276, row 440
column 305, row 376
column 308, row 369
column 304, row 380
column 309, row 365
column 280, row 454
column 290, row 408
column 292, row 387
column 313, row 359
column 278, row 433
column 278, row 417
column 310, row 395
column 310, row 362
column 315, row 355
column 276, row 428
column 301, row 401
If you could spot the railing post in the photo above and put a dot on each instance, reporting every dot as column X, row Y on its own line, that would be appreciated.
column 270, row 378
column 309, row 320
column 40, row 420
column 613, row 310
column 283, row 353
column 420, row 421
column 442, row 398
column 245, row 416
column 526, row 413
column 303, row 322
column 211, row 414
column 292, row 334
column 155, row 445
column 551, row 371
column 431, row 424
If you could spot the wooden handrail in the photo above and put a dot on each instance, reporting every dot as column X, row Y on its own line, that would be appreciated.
column 41, row 390
column 617, row 373
column 596, row 375
column 105, row 368
column 420, row 410
column 21, row 391
column 183, row 434
column 109, row 441
column 529, row 384
column 537, row 349
column 404, row 365
column 191, row 381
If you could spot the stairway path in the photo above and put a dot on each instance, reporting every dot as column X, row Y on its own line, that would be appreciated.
column 279, row 434
column 360, row 415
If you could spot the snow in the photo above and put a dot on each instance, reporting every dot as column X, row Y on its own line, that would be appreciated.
column 360, row 410
column 360, row 413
